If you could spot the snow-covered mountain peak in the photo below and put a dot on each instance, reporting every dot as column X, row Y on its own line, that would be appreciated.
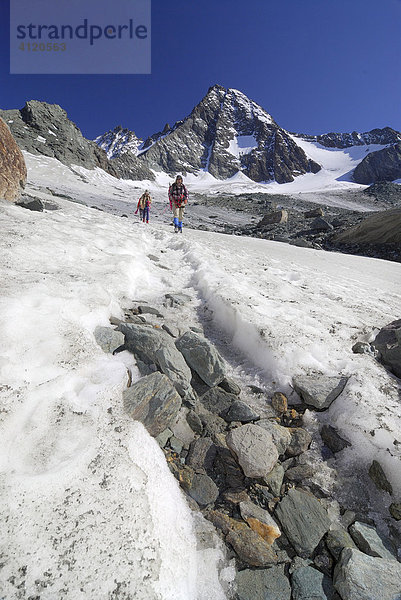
column 119, row 141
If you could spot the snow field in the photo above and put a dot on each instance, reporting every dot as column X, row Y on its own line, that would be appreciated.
column 90, row 505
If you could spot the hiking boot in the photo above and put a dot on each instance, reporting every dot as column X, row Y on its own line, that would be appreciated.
column 176, row 230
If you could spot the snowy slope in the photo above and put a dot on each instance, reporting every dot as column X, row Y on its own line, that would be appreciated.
column 84, row 489
column 90, row 504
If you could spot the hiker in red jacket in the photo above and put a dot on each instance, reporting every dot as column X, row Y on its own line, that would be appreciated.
column 144, row 203
column 178, row 197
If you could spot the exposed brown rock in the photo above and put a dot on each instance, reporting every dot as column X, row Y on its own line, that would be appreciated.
column 12, row 165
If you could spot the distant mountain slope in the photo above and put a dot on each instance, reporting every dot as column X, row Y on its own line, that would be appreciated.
column 384, row 136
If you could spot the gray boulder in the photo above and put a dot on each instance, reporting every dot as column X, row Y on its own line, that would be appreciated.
column 281, row 435
column 278, row 216
column 108, row 339
column 319, row 391
column 304, row 520
column 314, row 213
column 337, row 539
column 202, row 357
column 239, row 411
column 201, row 454
column 310, row 584
column 152, row 345
column 274, row 480
column 320, row 224
column 33, row 204
column 358, row 576
column 201, row 488
column 249, row 546
column 300, row 441
column 228, row 385
column 263, row 584
column 367, row 539
column 254, row 449
column 388, row 343
column 217, row 401
column 153, row 401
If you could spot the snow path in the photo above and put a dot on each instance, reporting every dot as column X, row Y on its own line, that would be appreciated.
column 275, row 311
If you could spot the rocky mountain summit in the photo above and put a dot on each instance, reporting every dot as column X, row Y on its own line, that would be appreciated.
column 42, row 128
column 119, row 141
column 227, row 133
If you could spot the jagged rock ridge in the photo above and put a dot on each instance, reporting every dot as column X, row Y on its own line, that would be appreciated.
column 384, row 136
column 42, row 128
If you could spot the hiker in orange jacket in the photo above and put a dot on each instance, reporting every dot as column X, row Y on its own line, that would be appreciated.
column 144, row 204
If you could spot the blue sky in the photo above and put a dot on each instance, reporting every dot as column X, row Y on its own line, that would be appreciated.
column 315, row 65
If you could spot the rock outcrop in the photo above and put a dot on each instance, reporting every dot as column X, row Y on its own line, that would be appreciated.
column 42, row 128
column 383, row 165
column 12, row 165
column 388, row 343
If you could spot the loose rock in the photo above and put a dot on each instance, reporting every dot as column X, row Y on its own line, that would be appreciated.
column 230, row 386
column 300, row 441
column 395, row 510
column 281, row 435
column 308, row 584
column 250, row 547
column 367, row 539
column 379, row 478
column 260, row 521
column 274, row 480
column 332, row 439
column 108, row 339
column 202, row 453
column 202, row 357
column 279, row 403
column 263, row 584
column 319, row 391
column 388, row 343
column 239, row 411
column 337, row 539
column 217, row 401
column 153, row 401
column 358, row 576
column 254, row 449
column 304, row 520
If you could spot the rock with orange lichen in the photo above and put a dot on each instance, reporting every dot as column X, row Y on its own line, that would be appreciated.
column 250, row 547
